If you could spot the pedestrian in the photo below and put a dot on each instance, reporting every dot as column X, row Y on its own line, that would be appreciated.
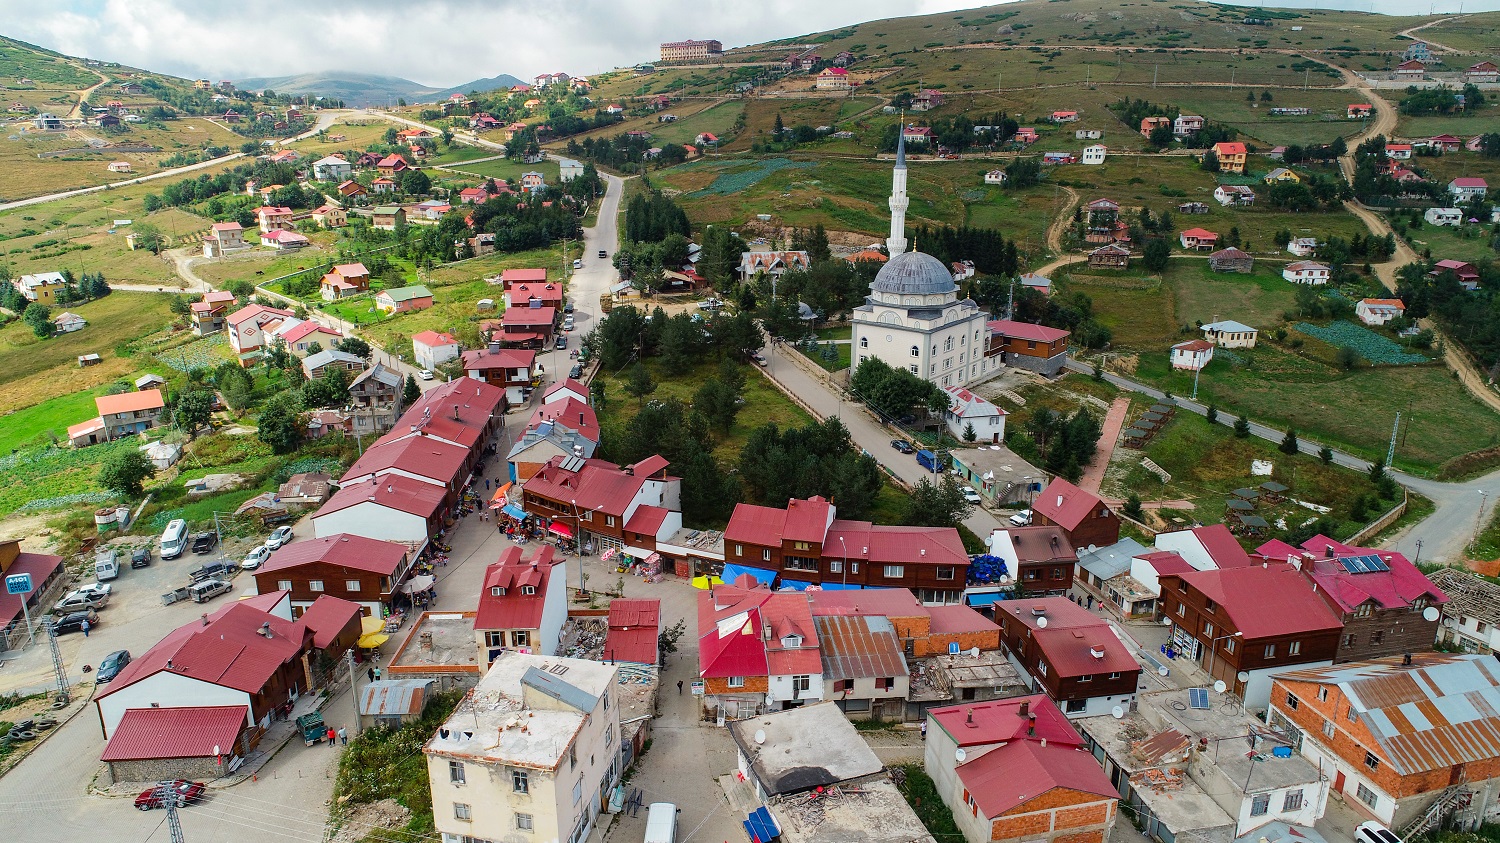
column 371, row 673
column 85, row 629
column 331, row 736
column 343, row 736
column 486, row 484
column 377, row 673
column 924, row 730
column 679, row 687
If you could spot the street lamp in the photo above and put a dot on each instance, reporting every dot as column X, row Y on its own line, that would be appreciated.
column 845, row 546
column 1212, row 652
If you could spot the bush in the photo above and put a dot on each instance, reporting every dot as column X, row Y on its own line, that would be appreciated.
column 384, row 763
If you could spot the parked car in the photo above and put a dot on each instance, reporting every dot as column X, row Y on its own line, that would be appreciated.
column 211, row 570
column 204, row 542
column 111, row 666
column 140, row 557
column 576, row 372
column 184, row 791
column 568, row 307
column 972, row 496
column 561, row 342
column 710, row 304
column 603, row 254
column 903, row 446
column 279, row 536
column 96, row 588
column 256, row 558
column 74, row 622
column 578, row 263
column 568, row 324
column 76, row 601
column 425, row 374
column 760, row 359
column 1022, row 518
column 1373, row 832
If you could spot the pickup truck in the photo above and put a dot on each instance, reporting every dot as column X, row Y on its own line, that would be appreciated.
column 212, row 570
column 79, row 600
column 312, row 728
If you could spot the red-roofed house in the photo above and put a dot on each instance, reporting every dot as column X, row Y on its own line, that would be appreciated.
column 391, row 165
column 523, row 604
column 968, row 410
column 1257, row 619
column 634, row 627
column 208, row 315
column 511, row 277
column 1016, row 769
column 1467, row 187
column 299, row 337
column 249, row 326
column 1375, row 312
column 757, row 651
column 522, row 294
column 506, row 368
column 832, row 79
column 1192, row 355
column 1231, row 156
column 1468, row 274
column 524, row 327
column 354, row 568
column 1071, row 653
column 242, row 655
column 165, row 744
column 274, row 218
column 1378, row 594
column 46, row 572
column 430, row 348
column 395, row 508
column 594, row 501
column 806, row 543
column 570, row 413
column 1084, row 516
column 129, row 413
column 423, row 458
column 1205, row 548
column 1199, row 239
column 1037, row 348
column 1411, row 69
column 345, row 279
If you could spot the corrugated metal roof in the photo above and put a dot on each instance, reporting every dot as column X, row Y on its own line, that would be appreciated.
column 859, row 647
column 1439, row 711
column 554, row 686
column 188, row 732
column 390, row 697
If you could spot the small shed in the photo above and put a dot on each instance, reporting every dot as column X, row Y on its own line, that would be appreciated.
column 145, row 382
column 393, row 702
column 85, row 360
column 163, row 455
column 1274, row 492
column 1235, row 505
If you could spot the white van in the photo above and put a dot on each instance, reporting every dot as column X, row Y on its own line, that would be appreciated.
column 661, row 823
column 174, row 540
column 106, row 565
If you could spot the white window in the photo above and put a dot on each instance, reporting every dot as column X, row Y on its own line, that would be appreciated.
column 1294, row 648
column 765, row 554
column 523, row 822
column 609, row 521
column 835, row 566
column 913, row 368
column 945, row 572
column 864, row 342
column 519, row 781
column 1323, row 693
column 1366, row 795
column 520, row 638
column 1292, row 801
column 1292, row 702
column 895, row 572
column 1041, row 667
column 801, row 683
column 493, row 638
column 578, row 791
column 1327, row 728
column 351, row 585
column 528, row 589
column 315, row 585
column 736, row 681
column 739, row 550
column 456, row 772
column 284, row 585
column 916, row 352
column 1270, row 651
column 460, row 811
column 609, row 735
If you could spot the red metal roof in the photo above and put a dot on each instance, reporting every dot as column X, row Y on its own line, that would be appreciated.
column 343, row 550
column 520, row 294
column 755, row 524
column 634, row 624
column 1064, row 504
column 1265, row 601
column 1071, row 637
column 529, row 316
column 1007, row 777
column 192, row 732
column 597, row 486
column 880, row 543
column 422, row 456
column 729, row 633
column 807, row 521
column 646, row 520
column 433, row 339
column 1027, row 331
column 891, row 602
column 1222, row 546
column 327, row 617
column 129, row 402
column 40, row 566
column 570, row 413
column 404, row 494
column 997, row 721
column 515, row 609
column 1392, row 589
column 790, row 614
column 1167, row 562
column 958, row 618
column 255, row 310
column 521, row 276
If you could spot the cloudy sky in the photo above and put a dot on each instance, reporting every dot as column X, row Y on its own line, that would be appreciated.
column 434, row 42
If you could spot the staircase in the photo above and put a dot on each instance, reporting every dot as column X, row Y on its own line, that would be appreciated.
column 1011, row 395
column 1456, row 797
column 1152, row 467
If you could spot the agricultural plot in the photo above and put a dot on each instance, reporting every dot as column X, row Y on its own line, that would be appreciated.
column 83, row 244
column 1470, row 242
column 47, row 476
column 28, row 175
column 716, row 120
column 206, row 353
column 1370, row 345
column 506, row 170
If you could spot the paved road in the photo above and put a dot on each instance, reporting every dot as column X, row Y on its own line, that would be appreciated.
column 1460, row 508
column 175, row 171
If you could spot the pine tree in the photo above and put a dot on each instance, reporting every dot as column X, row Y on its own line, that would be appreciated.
column 1289, row 442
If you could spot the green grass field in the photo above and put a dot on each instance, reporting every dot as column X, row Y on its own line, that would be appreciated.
column 717, row 119
column 52, row 416
column 1469, row 243
column 27, row 175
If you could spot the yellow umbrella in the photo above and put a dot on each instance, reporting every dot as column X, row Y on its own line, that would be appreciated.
column 373, row 639
column 369, row 624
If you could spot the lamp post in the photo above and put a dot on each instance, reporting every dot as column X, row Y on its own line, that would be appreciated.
column 1212, row 652
column 845, row 546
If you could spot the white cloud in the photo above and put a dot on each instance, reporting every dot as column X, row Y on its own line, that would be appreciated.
column 434, row 42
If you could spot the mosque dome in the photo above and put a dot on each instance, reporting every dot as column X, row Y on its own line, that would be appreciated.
column 914, row 274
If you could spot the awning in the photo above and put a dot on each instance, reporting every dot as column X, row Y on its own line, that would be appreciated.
column 498, row 499
column 984, row 599
column 761, row 826
column 761, row 575
column 560, row 529
column 514, row 511
column 839, row 586
column 369, row 624
column 374, row 639
column 419, row 583
column 637, row 552
column 705, row 583
column 608, row 554
column 620, row 287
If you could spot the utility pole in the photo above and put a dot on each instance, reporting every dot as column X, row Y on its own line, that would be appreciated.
column 1155, row 70
column 169, row 797
column 353, row 690
column 62, row 675
column 1390, row 454
column 1196, row 372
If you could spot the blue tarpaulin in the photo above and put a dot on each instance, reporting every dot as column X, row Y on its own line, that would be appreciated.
column 985, row 599
column 734, row 572
column 761, row 826
column 514, row 511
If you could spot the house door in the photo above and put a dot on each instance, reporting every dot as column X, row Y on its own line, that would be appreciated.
column 1338, row 782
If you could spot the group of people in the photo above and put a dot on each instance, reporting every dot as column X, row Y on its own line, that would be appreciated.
column 341, row 736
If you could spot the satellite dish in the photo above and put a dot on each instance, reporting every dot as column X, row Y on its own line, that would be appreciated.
column 1430, row 614
column 760, row 736
column 973, row 652
column 1041, row 623
column 1219, row 686
column 1166, row 621
column 960, row 754
column 1162, row 671
column 1117, row 712
column 216, row 750
column 1243, row 676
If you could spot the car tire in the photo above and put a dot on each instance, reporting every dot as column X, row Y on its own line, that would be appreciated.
column 143, row 807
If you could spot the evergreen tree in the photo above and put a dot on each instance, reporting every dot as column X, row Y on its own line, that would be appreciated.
column 1241, row 428
column 1289, row 442
column 410, row 392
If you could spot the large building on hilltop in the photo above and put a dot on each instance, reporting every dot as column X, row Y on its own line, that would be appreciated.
column 913, row 318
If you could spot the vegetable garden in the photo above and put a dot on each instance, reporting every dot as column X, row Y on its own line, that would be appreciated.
column 1370, row 345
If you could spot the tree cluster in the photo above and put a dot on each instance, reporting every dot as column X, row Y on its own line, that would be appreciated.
column 819, row 459
column 1063, row 444
column 991, row 253
column 895, row 393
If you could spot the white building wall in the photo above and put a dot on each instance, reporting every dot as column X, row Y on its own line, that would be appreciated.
column 1258, row 686
column 1185, row 544
column 892, row 342
column 939, row 762
column 554, row 610
column 165, row 690
column 1144, row 573
column 373, row 521
column 780, row 689
column 1329, row 761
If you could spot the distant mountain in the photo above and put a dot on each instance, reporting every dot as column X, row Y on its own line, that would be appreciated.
column 361, row 89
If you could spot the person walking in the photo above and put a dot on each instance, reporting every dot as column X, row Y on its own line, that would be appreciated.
column 371, row 674
column 331, row 737
column 377, row 672
column 343, row 736
column 924, row 730
column 679, row 687
column 85, row 629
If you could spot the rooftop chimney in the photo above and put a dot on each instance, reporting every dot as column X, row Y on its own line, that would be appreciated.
column 1328, row 551
column 1406, row 659
column 494, row 346
column 968, row 716
column 1097, row 651
column 1025, row 709
column 205, row 619
column 765, row 631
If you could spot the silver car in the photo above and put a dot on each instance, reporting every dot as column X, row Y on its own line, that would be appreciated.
column 279, row 537
column 256, row 558
column 77, row 601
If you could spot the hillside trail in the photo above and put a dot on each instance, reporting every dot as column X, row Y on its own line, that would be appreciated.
column 84, row 93
column 1444, row 47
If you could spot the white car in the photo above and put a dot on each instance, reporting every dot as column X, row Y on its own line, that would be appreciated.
column 578, row 263
column 425, row 374
column 1022, row 518
column 972, row 496
column 568, row 324
column 279, row 537
column 256, row 558
column 96, row 589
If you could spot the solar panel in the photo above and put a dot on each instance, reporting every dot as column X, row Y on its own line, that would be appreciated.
column 1367, row 564
column 572, row 464
column 1198, row 698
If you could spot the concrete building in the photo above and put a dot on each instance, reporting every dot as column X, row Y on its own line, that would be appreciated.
column 912, row 318
column 1071, row 654
column 531, row 753
column 967, row 411
column 1230, row 334
column 1036, row 348
column 1192, row 355
column 1016, row 769
column 129, row 413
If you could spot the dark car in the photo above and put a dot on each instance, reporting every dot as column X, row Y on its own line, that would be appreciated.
column 561, row 342
column 903, row 446
column 140, row 557
column 204, row 542
column 568, row 308
column 73, row 621
column 212, row 570
column 111, row 666
column 603, row 254
column 184, row 791
column 576, row 372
